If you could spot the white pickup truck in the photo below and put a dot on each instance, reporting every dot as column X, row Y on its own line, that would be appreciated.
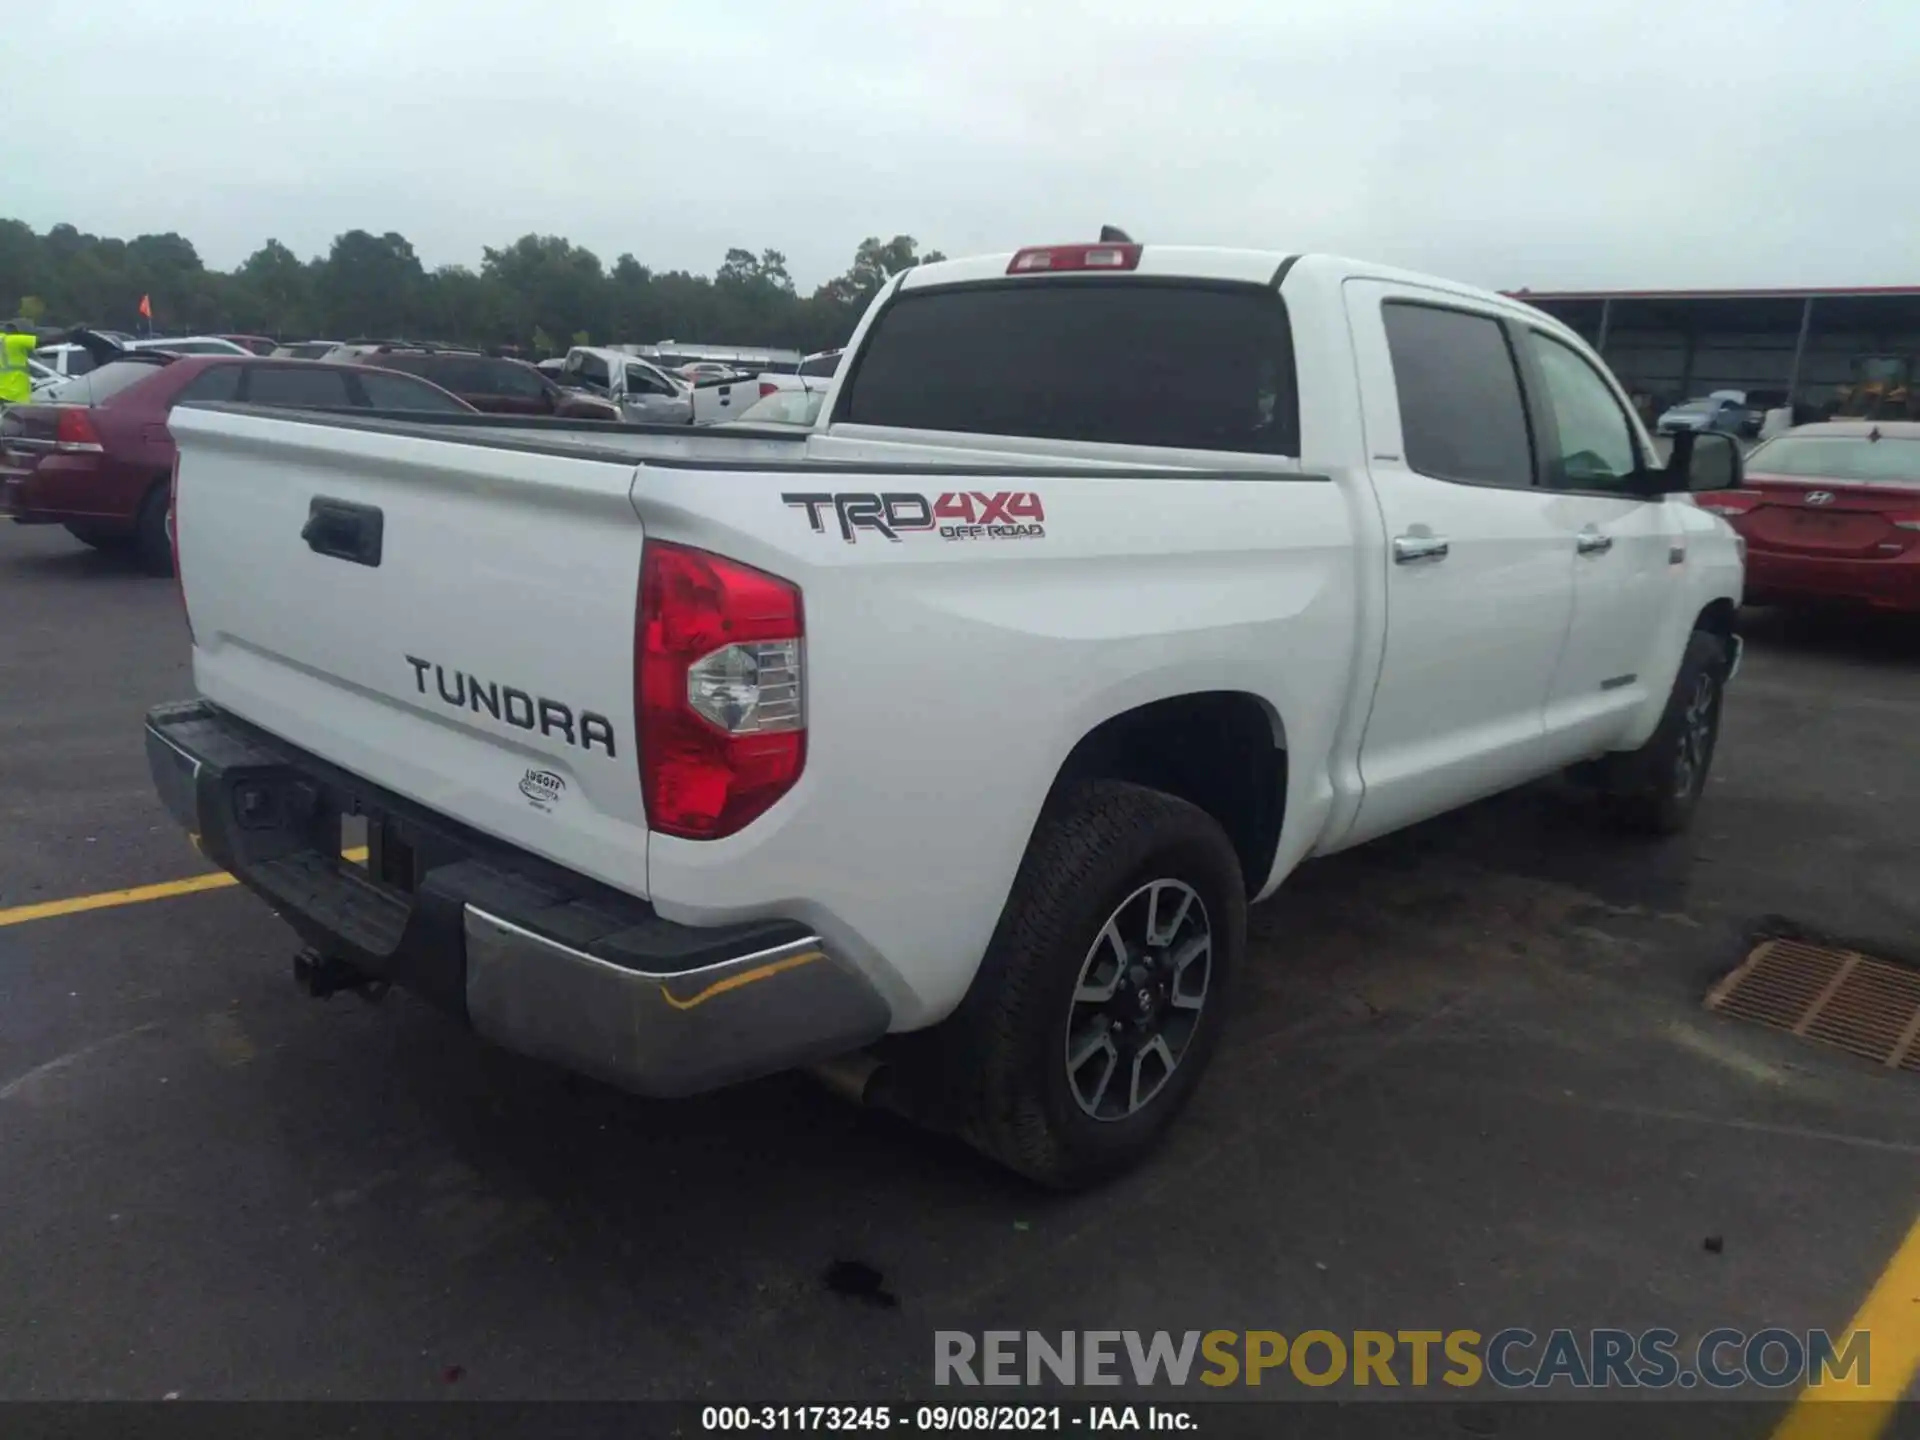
column 958, row 733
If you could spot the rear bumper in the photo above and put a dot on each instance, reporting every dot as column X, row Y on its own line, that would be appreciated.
column 1890, row 584
column 14, row 502
column 537, row 959
column 37, row 493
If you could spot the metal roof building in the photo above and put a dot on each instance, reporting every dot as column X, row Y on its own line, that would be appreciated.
column 1812, row 345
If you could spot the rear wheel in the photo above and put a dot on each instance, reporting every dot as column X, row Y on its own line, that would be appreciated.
column 151, row 544
column 1657, row 787
column 1107, row 983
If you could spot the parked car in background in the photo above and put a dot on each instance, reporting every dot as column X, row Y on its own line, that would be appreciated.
column 1831, row 514
column 496, row 386
column 342, row 351
column 642, row 391
column 42, row 377
column 716, row 401
column 742, row 360
column 304, row 349
column 254, row 344
column 1724, row 412
column 554, row 368
column 708, row 370
column 721, row 392
column 69, row 358
column 188, row 345
column 815, row 373
column 94, row 454
column 76, row 357
column 789, row 409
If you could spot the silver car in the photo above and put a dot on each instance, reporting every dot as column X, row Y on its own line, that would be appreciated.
column 1724, row 413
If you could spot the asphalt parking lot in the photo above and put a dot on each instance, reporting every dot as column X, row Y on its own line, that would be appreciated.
column 1472, row 1085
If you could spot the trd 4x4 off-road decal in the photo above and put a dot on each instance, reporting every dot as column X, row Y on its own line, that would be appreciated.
column 956, row 515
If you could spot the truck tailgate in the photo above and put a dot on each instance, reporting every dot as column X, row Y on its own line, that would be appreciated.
column 451, row 621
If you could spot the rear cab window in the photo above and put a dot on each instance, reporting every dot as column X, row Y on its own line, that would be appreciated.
column 1187, row 365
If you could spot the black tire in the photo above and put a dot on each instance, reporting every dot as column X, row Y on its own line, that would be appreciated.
column 1094, row 854
column 107, row 540
column 1656, row 788
column 151, row 546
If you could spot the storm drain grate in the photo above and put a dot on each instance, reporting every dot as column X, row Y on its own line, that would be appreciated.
column 1839, row 997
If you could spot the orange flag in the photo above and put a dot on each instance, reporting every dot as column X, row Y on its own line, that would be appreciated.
column 146, row 307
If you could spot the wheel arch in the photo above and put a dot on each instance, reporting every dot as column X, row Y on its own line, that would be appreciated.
column 1222, row 750
column 1719, row 615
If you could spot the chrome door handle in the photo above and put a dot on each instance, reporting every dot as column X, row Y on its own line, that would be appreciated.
column 1592, row 542
column 1411, row 549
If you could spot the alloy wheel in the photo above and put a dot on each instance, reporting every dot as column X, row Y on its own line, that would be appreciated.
column 1138, row 999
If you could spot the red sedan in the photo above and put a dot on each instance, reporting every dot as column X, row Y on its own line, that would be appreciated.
column 1831, row 514
column 94, row 453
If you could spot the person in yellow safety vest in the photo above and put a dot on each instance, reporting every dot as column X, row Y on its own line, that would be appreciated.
column 17, row 342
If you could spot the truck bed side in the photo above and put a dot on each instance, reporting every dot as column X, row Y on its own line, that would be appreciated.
column 949, row 676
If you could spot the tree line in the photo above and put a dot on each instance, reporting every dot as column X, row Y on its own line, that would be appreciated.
column 540, row 294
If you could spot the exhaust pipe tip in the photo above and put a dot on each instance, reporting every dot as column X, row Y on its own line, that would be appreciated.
column 850, row 1077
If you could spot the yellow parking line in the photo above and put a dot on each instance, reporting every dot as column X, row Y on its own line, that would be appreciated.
column 138, row 895
column 1842, row 1410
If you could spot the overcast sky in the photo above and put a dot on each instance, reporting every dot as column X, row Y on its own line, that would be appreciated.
column 1553, row 144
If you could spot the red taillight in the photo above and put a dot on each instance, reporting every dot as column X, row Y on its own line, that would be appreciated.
column 767, row 387
column 74, row 430
column 1054, row 259
column 718, row 691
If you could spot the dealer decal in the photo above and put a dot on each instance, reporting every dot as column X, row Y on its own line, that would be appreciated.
column 543, row 789
column 955, row 515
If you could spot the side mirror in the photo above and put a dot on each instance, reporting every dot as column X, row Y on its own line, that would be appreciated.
column 1702, row 460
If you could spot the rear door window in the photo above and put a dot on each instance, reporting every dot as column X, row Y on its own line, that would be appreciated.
column 1134, row 362
column 215, row 383
column 508, row 377
column 463, row 376
column 1461, row 415
column 385, row 390
column 307, row 387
